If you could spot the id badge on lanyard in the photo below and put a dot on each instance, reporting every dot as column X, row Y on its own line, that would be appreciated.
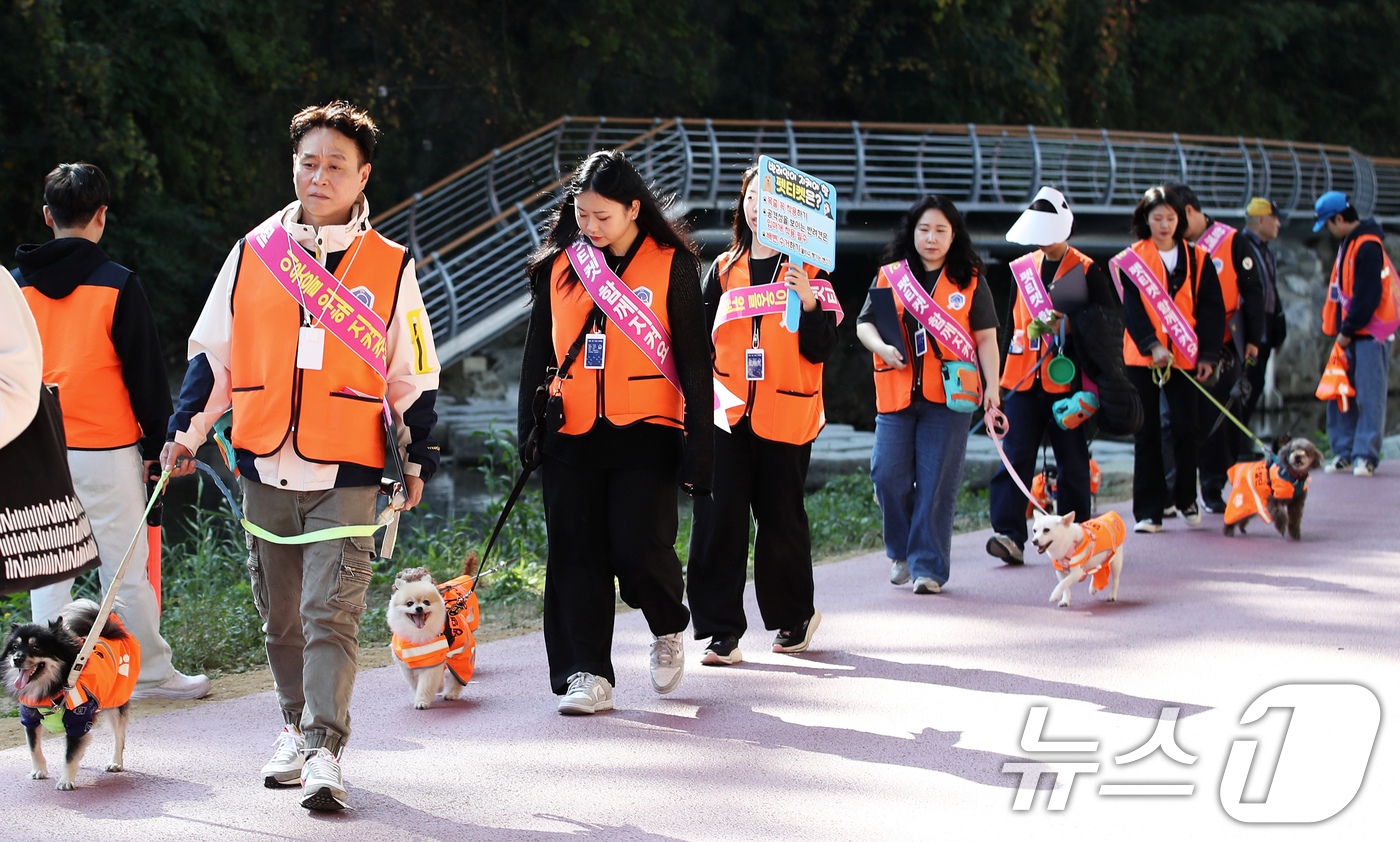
column 920, row 342
column 594, row 350
column 753, row 364
column 311, row 348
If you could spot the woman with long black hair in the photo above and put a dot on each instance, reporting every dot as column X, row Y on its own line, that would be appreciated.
column 617, row 340
column 1182, row 281
column 761, row 462
column 931, row 369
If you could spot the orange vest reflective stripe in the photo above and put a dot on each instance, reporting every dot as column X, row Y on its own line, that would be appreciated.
column 459, row 653
column 273, row 400
column 1335, row 384
column 894, row 389
column 1331, row 320
column 629, row 388
column 1104, row 533
column 1251, row 485
column 1185, row 299
column 786, row 405
column 79, row 356
column 1017, row 366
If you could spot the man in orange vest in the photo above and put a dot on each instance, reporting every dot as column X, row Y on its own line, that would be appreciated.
column 308, row 430
column 1244, row 319
column 101, row 348
column 1361, row 312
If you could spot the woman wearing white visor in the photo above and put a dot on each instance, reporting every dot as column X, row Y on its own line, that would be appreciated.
column 1043, row 383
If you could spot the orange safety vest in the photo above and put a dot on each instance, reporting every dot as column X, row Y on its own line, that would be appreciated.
column 456, row 646
column 628, row 389
column 273, row 400
column 1390, row 289
column 786, row 405
column 1229, row 279
column 1335, row 384
column 1020, row 359
column 1043, row 491
column 112, row 670
column 1251, row 485
column 79, row 357
column 1104, row 533
column 1185, row 299
column 894, row 389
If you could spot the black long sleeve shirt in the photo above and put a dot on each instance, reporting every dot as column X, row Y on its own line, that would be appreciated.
column 1100, row 292
column 642, row 444
column 1251, row 286
column 1210, row 309
column 816, row 329
column 1366, row 287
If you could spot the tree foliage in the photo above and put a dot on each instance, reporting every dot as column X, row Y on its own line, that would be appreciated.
column 184, row 102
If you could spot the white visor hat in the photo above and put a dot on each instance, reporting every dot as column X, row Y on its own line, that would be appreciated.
column 1047, row 221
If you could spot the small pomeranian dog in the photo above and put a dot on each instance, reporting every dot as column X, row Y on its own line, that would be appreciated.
column 1093, row 548
column 432, row 629
column 37, row 661
column 1274, row 489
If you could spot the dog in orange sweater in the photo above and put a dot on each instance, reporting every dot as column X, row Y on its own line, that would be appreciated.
column 1092, row 548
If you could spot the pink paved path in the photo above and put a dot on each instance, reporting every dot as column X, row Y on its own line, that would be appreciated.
column 895, row 727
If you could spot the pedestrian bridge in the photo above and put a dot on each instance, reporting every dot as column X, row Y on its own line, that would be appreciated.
column 470, row 232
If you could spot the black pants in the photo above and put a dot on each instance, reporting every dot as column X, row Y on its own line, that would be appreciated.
column 767, row 477
column 603, row 523
column 1150, row 493
column 1218, row 449
column 1030, row 415
column 1255, row 373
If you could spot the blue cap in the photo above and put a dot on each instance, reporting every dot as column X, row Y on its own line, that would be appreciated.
column 1328, row 205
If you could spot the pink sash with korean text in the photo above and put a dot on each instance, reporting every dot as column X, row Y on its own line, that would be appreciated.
column 622, row 306
column 1032, row 290
column 344, row 316
column 768, row 299
column 1155, row 295
column 1214, row 236
column 929, row 313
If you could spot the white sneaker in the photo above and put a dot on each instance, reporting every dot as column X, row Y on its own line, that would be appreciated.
column 1148, row 525
column 176, row 686
column 321, row 784
column 667, row 661
column 1364, row 468
column 1338, row 465
column 926, row 585
column 284, row 769
column 899, row 572
column 588, row 693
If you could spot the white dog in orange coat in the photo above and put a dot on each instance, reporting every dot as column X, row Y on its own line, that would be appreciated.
column 1093, row 548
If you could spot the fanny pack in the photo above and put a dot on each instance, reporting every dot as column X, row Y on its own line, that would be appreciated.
column 962, row 385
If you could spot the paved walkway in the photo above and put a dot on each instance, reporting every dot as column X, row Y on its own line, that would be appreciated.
column 895, row 726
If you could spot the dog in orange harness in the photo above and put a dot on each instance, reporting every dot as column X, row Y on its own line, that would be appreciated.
column 433, row 627
column 37, row 661
column 1092, row 548
column 1275, row 489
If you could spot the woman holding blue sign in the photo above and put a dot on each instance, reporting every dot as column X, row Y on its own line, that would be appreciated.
column 616, row 407
column 932, row 326
column 761, row 461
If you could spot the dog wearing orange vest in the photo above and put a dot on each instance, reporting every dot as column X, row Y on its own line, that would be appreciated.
column 37, row 660
column 1093, row 548
column 1275, row 489
column 432, row 629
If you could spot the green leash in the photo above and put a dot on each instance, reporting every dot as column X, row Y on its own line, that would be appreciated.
column 1218, row 405
column 329, row 534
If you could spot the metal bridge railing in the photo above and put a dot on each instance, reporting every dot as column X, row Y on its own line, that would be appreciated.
column 472, row 231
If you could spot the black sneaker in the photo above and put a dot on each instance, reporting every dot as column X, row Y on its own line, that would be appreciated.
column 797, row 640
column 1213, row 502
column 722, row 652
column 1191, row 515
column 1169, row 511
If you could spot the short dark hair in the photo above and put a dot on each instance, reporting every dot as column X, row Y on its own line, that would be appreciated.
column 1349, row 214
column 1188, row 196
column 354, row 123
column 74, row 193
column 1154, row 198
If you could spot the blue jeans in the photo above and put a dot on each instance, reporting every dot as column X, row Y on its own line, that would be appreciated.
column 917, row 467
column 1356, row 434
